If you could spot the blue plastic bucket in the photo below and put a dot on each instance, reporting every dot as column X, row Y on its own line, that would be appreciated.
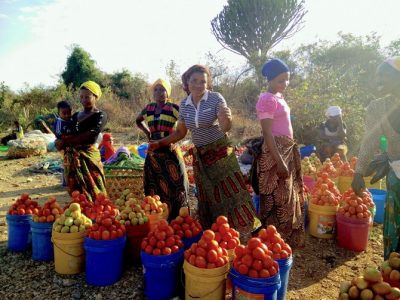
column 307, row 150
column 187, row 242
column 379, row 197
column 142, row 150
column 104, row 260
column 162, row 275
column 19, row 232
column 256, row 202
column 42, row 247
column 245, row 287
column 284, row 269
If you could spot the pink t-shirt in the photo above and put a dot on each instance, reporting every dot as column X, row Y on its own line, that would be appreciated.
column 270, row 106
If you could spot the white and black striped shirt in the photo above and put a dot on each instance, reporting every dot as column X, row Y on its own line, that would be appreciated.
column 202, row 121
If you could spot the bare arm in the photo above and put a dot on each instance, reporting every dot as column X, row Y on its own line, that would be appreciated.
column 142, row 126
column 269, row 141
column 224, row 118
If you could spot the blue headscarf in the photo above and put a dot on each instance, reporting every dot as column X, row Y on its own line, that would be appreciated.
column 273, row 68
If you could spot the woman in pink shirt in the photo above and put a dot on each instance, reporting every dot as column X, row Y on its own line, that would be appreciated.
column 278, row 165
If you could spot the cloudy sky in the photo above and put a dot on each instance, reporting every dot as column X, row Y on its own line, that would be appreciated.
column 144, row 35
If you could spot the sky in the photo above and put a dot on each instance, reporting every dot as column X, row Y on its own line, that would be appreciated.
column 143, row 36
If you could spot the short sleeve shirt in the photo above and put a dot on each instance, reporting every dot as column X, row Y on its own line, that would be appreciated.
column 274, row 106
column 202, row 121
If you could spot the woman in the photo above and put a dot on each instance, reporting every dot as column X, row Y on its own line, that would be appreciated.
column 220, row 184
column 106, row 147
column 332, row 134
column 164, row 169
column 382, row 130
column 83, row 169
column 278, row 165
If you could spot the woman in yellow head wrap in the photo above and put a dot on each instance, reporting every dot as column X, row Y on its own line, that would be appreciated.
column 164, row 169
column 82, row 163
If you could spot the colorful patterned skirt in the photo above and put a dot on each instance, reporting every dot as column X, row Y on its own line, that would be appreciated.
column 165, row 175
column 281, row 200
column 83, row 171
column 222, row 189
column 391, row 223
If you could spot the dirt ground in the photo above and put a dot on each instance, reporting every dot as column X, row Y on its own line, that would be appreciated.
column 316, row 274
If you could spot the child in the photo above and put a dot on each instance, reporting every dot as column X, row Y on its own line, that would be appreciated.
column 63, row 125
column 278, row 165
column 17, row 133
column 106, row 147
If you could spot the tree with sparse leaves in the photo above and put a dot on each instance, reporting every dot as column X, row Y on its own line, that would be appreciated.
column 252, row 27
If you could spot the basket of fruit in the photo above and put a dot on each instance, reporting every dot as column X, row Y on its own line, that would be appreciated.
column 119, row 179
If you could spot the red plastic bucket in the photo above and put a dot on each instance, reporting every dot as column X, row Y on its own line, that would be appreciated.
column 135, row 235
column 352, row 234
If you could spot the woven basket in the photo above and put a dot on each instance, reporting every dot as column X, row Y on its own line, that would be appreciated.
column 119, row 179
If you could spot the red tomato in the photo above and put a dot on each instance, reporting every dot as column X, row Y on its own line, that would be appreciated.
column 212, row 256
column 276, row 248
column 166, row 251
column 247, row 259
column 188, row 233
column 220, row 262
column 174, row 248
column 243, row 269
column 257, row 265
column 156, row 251
column 153, row 241
column 264, row 273
column 201, row 252
column 227, row 237
column 200, row 262
column 218, row 237
column 144, row 244
column 258, row 253
column 253, row 273
column 160, row 235
column 221, row 220
column 254, row 243
column 214, row 227
column 192, row 259
column 240, row 251
column 272, row 271
column 120, row 232
column 223, row 229
column 160, row 244
column 208, row 235
column 196, row 231
column 105, row 235
column 170, row 241
column 113, row 234
column 232, row 244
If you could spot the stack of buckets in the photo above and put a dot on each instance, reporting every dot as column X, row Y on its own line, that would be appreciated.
column 135, row 235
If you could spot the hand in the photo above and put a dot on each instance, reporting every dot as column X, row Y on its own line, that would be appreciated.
column 358, row 184
column 224, row 112
column 282, row 170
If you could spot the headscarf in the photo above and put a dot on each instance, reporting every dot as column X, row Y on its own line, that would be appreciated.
column 165, row 84
column 93, row 87
column 333, row 111
column 273, row 68
column 394, row 62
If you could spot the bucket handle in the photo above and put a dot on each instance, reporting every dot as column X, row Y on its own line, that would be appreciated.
column 198, row 297
column 66, row 252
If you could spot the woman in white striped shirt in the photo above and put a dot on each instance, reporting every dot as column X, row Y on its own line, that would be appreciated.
column 220, row 183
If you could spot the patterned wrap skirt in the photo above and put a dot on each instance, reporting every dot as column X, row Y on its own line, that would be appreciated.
column 222, row 189
column 165, row 175
column 282, row 200
column 83, row 171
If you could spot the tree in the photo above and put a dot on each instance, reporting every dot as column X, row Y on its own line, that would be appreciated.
column 252, row 28
column 80, row 68
column 122, row 83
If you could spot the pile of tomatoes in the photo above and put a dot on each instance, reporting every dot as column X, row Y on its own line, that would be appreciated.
column 227, row 237
column 50, row 211
column 325, row 192
column 206, row 253
column 185, row 226
column 255, row 260
column 273, row 240
column 162, row 241
column 24, row 205
column 353, row 206
column 105, row 228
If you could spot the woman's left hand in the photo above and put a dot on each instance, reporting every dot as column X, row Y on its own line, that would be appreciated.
column 224, row 118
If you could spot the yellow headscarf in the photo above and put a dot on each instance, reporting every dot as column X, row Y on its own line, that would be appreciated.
column 93, row 87
column 165, row 84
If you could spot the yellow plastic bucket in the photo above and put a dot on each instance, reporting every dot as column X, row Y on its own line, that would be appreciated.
column 133, row 149
column 207, row 284
column 322, row 220
column 344, row 183
column 69, row 255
